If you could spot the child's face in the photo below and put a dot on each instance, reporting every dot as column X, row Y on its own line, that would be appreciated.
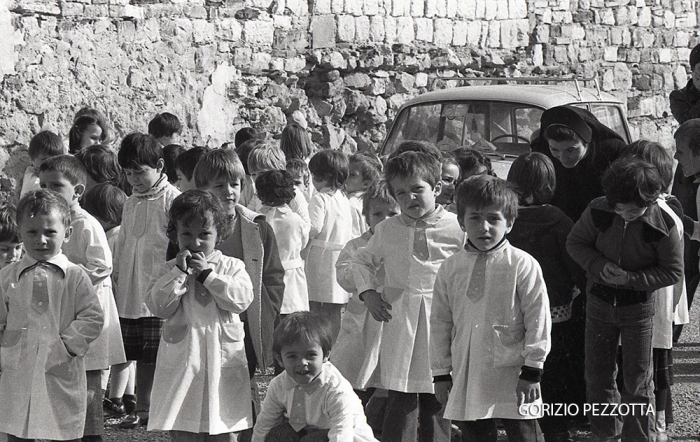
column 415, row 196
column 380, row 210
column 687, row 159
column 36, row 162
column 197, row 235
column 629, row 211
column 227, row 191
column 302, row 361
column 318, row 183
column 145, row 177
column 450, row 175
column 91, row 135
column 485, row 226
column 355, row 182
column 9, row 252
column 183, row 183
column 58, row 182
column 43, row 234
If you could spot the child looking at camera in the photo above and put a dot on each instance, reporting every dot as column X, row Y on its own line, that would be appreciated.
column 490, row 320
column 10, row 244
column 201, row 386
column 311, row 400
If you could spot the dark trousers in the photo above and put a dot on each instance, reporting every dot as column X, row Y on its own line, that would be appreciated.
column 411, row 417
column 285, row 433
column 484, row 430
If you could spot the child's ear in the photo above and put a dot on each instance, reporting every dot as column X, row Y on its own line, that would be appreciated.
column 438, row 188
column 78, row 191
column 160, row 165
column 326, row 357
column 509, row 226
column 278, row 358
column 69, row 231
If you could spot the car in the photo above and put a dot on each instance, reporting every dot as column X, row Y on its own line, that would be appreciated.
column 499, row 120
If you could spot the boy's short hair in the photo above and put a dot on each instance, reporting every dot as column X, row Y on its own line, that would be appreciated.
column 42, row 202
column 417, row 146
column 450, row 158
column 299, row 170
column 468, row 159
column 45, row 143
column 244, row 150
column 654, row 153
column 197, row 203
column 481, row 191
column 688, row 134
column 9, row 232
column 330, row 166
column 534, row 178
column 414, row 163
column 170, row 153
column 307, row 327
column 244, row 134
column 377, row 191
column 68, row 166
column 295, row 142
column 101, row 164
column 275, row 187
column 369, row 165
column 266, row 156
column 217, row 164
column 105, row 202
column 632, row 180
column 138, row 150
column 164, row 125
column 187, row 160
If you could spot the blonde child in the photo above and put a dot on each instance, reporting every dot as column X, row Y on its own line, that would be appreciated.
column 43, row 145
column 331, row 229
column 411, row 248
column 363, row 169
column 88, row 248
column 49, row 315
column 140, row 249
column 201, row 389
column 310, row 401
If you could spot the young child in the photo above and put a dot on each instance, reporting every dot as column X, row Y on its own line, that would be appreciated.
column 165, row 128
column 252, row 241
column 472, row 162
column 628, row 247
column 296, row 143
column 299, row 171
column 450, row 177
column 331, row 229
column 139, row 250
column 43, row 145
column 184, row 167
column 201, row 386
column 490, row 320
column 275, row 189
column 102, row 121
column 10, row 244
column 411, row 248
column 363, row 169
column 170, row 153
column 541, row 230
column 88, row 248
column 101, row 165
column 310, row 400
column 86, row 131
column 244, row 134
column 248, row 189
column 49, row 315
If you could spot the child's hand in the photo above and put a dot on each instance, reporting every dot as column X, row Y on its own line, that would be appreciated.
column 442, row 391
column 527, row 391
column 613, row 274
column 182, row 259
column 378, row 307
column 199, row 263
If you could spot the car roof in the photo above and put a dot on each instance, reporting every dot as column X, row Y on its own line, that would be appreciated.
column 543, row 96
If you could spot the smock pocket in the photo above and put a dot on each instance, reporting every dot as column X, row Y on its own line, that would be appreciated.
column 232, row 349
column 172, row 334
column 10, row 349
column 59, row 362
column 508, row 342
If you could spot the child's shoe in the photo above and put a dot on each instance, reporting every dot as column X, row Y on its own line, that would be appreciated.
column 129, row 403
column 113, row 408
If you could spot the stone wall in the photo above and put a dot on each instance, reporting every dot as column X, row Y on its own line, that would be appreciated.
column 341, row 66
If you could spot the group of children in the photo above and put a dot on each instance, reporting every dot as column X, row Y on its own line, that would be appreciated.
column 438, row 293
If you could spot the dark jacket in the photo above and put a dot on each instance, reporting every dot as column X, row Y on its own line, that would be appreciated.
column 578, row 186
column 649, row 248
column 542, row 231
column 685, row 103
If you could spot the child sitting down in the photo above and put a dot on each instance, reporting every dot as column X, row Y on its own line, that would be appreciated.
column 310, row 400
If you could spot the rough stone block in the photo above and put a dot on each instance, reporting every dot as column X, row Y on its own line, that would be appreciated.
column 297, row 8
column 435, row 8
column 490, row 10
column 203, row 31
column 421, row 79
column 71, row 9
column 357, row 80
column 417, row 8
column 230, row 29
column 460, row 31
column 474, row 29
column 480, row 9
column 337, row 60
column 337, row 6
column 322, row 6
column 362, row 29
column 38, row 6
column 295, row 64
column 323, row 31
column 259, row 33
column 610, row 53
column 502, row 9
column 537, row 55
column 376, row 28
column 424, row 29
column 669, row 20
column 494, row 35
column 466, row 9
column 514, row 33
column 370, row 7
column 517, row 9
column 404, row 82
column 451, row 8
column 390, row 30
column 282, row 22
column 404, row 30
column 561, row 54
column 665, row 55
column 346, row 28
column 443, row 32
column 354, row 7
column 400, row 8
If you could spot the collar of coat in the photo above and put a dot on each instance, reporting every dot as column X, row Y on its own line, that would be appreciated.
column 311, row 387
column 56, row 263
column 657, row 223
column 248, row 214
column 427, row 220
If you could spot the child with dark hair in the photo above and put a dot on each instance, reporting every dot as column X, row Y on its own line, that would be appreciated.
column 43, row 145
column 243, row 151
column 185, row 163
column 299, row 170
column 170, row 153
column 86, row 131
column 363, row 169
column 101, row 121
column 489, row 321
column 331, row 229
column 10, row 243
column 541, row 230
column 472, row 162
column 296, row 143
column 450, row 177
column 311, row 400
column 276, row 190
column 244, row 134
column 628, row 247
column 165, row 128
column 101, row 165
column 141, row 246
column 201, row 389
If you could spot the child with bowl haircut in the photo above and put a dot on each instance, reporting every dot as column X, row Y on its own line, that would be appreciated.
column 43, row 145
column 184, row 167
column 410, row 247
column 10, row 243
column 101, row 165
column 49, row 315
column 310, row 401
column 490, row 320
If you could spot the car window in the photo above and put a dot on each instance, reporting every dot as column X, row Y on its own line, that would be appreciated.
column 610, row 116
